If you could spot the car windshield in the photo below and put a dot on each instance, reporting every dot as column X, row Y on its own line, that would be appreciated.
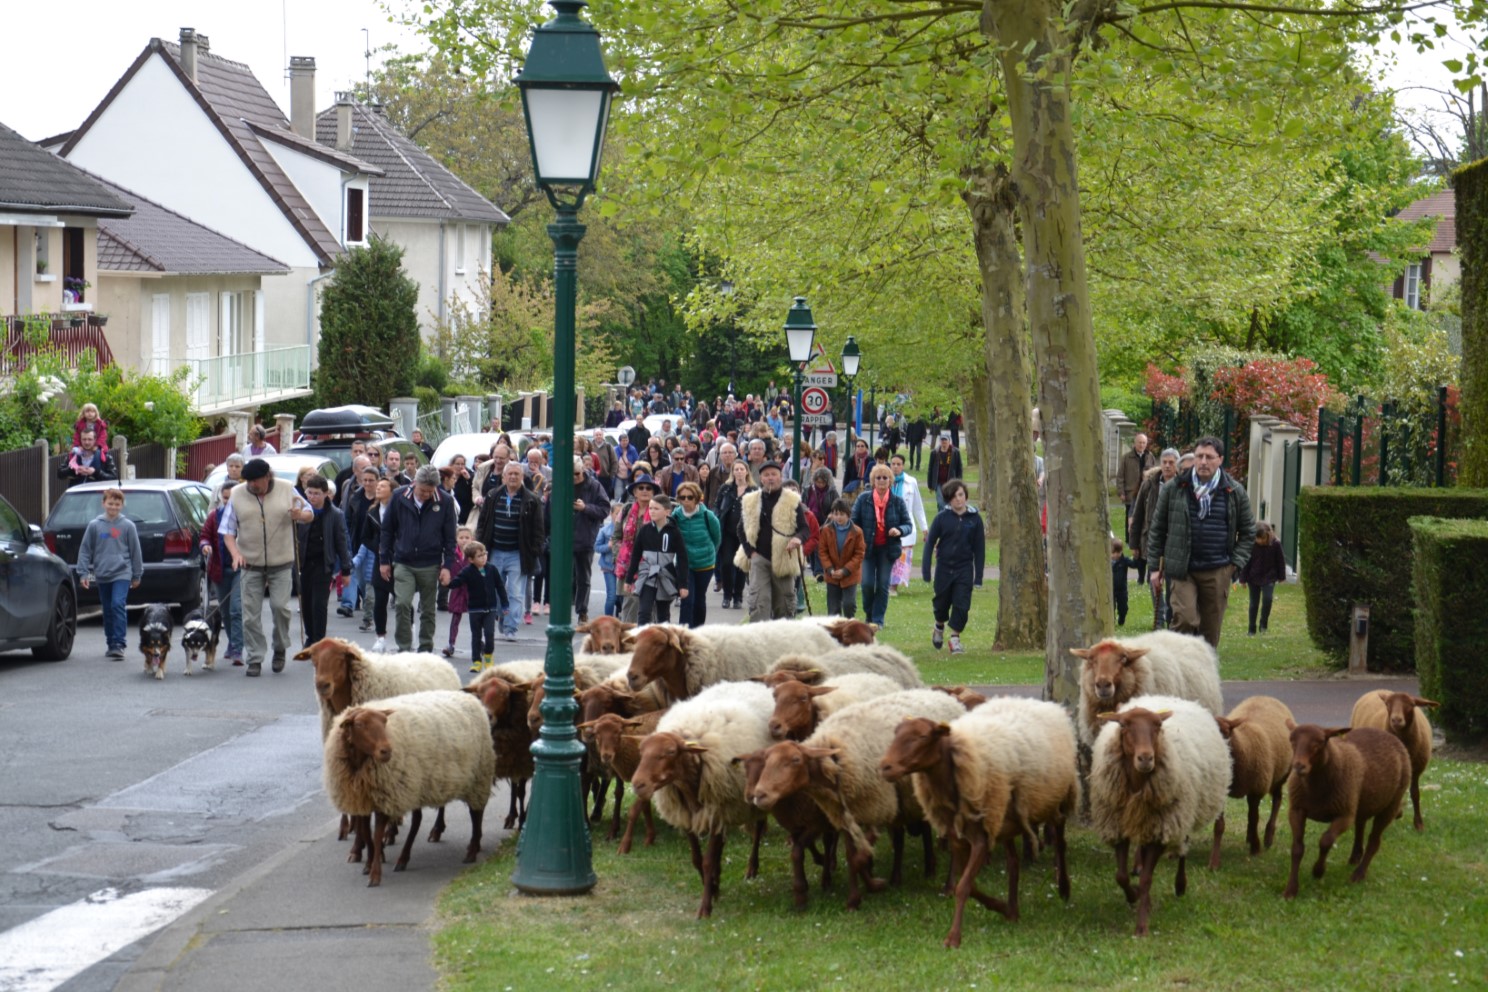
column 74, row 510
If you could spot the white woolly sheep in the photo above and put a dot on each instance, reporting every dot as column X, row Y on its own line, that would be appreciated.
column 799, row 708
column 1159, row 771
column 1400, row 714
column 837, row 767
column 687, row 661
column 877, row 659
column 1261, row 760
column 1160, row 663
column 1343, row 781
column 405, row 753
column 986, row 779
column 687, row 771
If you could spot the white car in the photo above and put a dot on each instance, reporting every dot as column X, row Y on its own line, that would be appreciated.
column 653, row 422
column 285, row 467
column 472, row 445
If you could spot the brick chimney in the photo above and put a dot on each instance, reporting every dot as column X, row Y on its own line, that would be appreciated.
column 302, row 95
column 343, row 120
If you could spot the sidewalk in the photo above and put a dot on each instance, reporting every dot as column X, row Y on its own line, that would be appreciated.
column 305, row 919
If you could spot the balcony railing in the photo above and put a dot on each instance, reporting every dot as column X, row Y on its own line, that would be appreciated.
column 249, row 379
column 73, row 335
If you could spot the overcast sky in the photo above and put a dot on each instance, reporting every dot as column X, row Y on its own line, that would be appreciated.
column 58, row 68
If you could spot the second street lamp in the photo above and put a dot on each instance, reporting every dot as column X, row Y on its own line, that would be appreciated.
column 852, row 356
column 566, row 102
column 727, row 289
column 800, row 335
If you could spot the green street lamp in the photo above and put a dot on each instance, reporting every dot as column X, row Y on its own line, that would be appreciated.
column 852, row 357
column 566, row 95
column 800, row 335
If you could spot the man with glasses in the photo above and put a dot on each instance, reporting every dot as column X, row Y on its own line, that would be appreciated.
column 591, row 507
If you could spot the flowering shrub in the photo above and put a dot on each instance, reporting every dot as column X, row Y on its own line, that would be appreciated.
column 1164, row 388
column 1289, row 389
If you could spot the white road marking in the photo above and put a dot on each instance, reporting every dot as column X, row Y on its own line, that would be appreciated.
column 40, row 955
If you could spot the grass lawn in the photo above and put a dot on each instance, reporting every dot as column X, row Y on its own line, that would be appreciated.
column 1420, row 921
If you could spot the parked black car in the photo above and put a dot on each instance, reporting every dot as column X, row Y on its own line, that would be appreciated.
column 169, row 515
column 329, row 432
column 38, row 598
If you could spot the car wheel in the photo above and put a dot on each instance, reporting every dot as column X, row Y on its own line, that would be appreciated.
column 62, row 630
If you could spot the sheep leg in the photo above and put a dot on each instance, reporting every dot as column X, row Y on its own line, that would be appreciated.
column 1123, row 872
column 1147, row 859
column 344, row 828
column 712, row 868
column 477, row 821
column 359, row 839
column 1010, row 910
column 1325, row 843
column 829, row 858
column 437, row 831
column 413, row 829
column 650, row 825
column 799, row 888
column 896, row 872
column 1219, row 829
column 976, row 856
column 859, row 867
column 619, row 799
column 374, row 857
column 697, row 855
column 1275, row 810
column 1180, row 881
column 1420, row 824
column 759, row 835
column 1253, row 824
column 927, row 841
column 957, row 862
column 635, row 811
column 1375, row 832
column 1298, row 822
column 1061, row 859
column 1357, row 851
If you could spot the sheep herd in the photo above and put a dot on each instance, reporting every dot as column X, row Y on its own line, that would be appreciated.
column 835, row 737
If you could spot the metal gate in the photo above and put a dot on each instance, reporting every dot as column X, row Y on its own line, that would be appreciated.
column 1291, row 485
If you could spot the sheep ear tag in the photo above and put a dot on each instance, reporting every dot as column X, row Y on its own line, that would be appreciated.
column 695, row 747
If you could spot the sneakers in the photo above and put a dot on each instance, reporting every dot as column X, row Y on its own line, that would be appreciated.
column 278, row 661
column 343, row 611
column 366, row 624
column 526, row 619
column 956, row 647
column 114, row 654
column 237, row 662
column 254, row 670
column 379, row 645
column 488, row 661
column 510, row 636
column 937, row 637
column 449, row 651
column 475, row 666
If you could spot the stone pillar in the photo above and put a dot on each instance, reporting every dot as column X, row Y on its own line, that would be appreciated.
column 1275, row 474
column 404, row 411
column 579, row 410
column 1312, row 451
column 284, row 426
column 238, row 422
column 471, row 422
column 493, row 412
column 121, row 458
column 43, row 456
column 447, row 414
column 1255, row 459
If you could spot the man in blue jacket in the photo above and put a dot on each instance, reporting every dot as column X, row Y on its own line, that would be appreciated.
column 418, row 537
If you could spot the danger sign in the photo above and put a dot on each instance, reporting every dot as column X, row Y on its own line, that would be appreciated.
column 814, row 400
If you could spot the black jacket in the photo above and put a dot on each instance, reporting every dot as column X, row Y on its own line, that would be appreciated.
column 587, row 521
column 485, row 588
column 419, row 537
column 333, row 524
column 355, row 510
column 727, row 507
column 961, row 541
column 932, row 469
column 105, row 471
column 666, row 541
column 532, row 533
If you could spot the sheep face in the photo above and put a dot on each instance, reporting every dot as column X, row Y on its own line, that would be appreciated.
column 607, row 635
column 1310, row 745
column 1141, row 739
column 795, row 710
column 605, row 734
column 665, row 758
column 364, row 731
column 1401, row 707
column 850, row 632
column 331, row 658
column 660, row 655
column 1108, row 666
column 916, row 747
column 495, row 695
column 781, row 676
column 598, row 700
column 534, row 708
column 969, row 698
column 753, row 764
column 789, row 767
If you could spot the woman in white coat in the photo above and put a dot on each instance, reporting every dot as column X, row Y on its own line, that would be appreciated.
column 907, row 488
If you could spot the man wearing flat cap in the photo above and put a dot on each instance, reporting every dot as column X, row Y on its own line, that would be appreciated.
column 945, row 465
column 772, row 528
column 258, row 532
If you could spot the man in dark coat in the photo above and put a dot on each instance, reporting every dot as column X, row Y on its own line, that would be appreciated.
column 88, row 462
column 945, row 465
column 512, row 528
column 914, row 436
column 418, row 552
column 591, row 507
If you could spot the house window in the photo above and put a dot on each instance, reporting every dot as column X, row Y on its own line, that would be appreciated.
column 356, row 212
column 1413, row 285
column 74, row 281
column 43, row 253
column 460, row 250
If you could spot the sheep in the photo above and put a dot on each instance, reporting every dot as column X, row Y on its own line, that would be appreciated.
column 344, row 677
column 687, row 661
column 799, row 708
column 1161, row 663
column 589, row 670
column 966, row 696
column 1343, row 781
column 1160, row 769
column 1261, row 760
column 614, row 696
column 686, row 770
column 805, row 824
column 985, row 779
column 405, row 753
column 878, row 659
column 617, row 742
column 846, row 631
column 504, row 692
column 837, row 768
column 605, row 635
column 1397, row 712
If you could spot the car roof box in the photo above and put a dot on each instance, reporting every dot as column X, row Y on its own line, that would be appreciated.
column 350, row 419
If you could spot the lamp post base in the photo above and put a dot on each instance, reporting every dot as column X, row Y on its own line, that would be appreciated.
column 559, row 861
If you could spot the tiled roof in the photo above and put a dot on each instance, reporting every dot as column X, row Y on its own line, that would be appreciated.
column 33, row 180
column 1443, row 205
column 414, row 184
column 156, row 239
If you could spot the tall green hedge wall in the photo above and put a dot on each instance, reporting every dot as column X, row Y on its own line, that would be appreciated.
column 1470, row 184
column 1355, row 546
column 1451, row 582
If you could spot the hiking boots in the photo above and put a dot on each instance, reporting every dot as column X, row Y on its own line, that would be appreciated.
column 254, row 670
column 278, row 661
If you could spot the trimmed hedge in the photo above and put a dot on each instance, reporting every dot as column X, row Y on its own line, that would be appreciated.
column 1355, row 547
column 1470, row 184
column 1451, row 582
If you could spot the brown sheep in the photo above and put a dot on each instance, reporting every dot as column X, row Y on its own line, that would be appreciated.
column 1261, row 760
column 605, row 635
column 1343, row 782
column 614, row 697
column 964, row 695
column 1397, row 713
column 1159, row 663
column 799, row 707
column 506, row 707
column 804, row 822
column 617, row 742
column 849, row 632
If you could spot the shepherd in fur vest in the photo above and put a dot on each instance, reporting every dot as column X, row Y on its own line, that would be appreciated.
column 774, row 564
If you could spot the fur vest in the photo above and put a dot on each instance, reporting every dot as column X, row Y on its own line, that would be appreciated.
column 783, row 563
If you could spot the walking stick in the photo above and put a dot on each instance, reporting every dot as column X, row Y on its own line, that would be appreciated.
column 805, row 586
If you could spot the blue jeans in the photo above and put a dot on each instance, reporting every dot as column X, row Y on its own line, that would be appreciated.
column 612, row 605
column 509, row 564
column 230, row 602
column 361, row 576
column 877, row 564
column 111, row 596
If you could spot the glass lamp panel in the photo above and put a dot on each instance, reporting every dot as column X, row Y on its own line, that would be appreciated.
column 566, row 127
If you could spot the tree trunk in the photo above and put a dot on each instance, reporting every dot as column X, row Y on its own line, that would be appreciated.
column 982, row 413
column 973, row 417
column 1048, row 193
column 1022, row 598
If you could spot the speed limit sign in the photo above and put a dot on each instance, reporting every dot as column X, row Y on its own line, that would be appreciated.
column 814, row 400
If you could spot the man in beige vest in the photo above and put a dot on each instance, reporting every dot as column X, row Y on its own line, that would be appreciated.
column 772, row 528
column 259, row 534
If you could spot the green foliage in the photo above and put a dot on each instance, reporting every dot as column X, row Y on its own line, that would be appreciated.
column 428, row 399
column 369, row 337
column 1355, row 547
column 1451, row 624
column 1137, row 407
column 1471, row 185
column 431, row 372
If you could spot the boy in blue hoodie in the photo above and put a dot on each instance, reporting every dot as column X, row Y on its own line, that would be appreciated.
column 487, row 600
column 110, row 556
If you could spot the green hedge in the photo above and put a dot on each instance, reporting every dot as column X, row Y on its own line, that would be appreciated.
column 1451, row 581
column 1471, row 187
column 1355, row 546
